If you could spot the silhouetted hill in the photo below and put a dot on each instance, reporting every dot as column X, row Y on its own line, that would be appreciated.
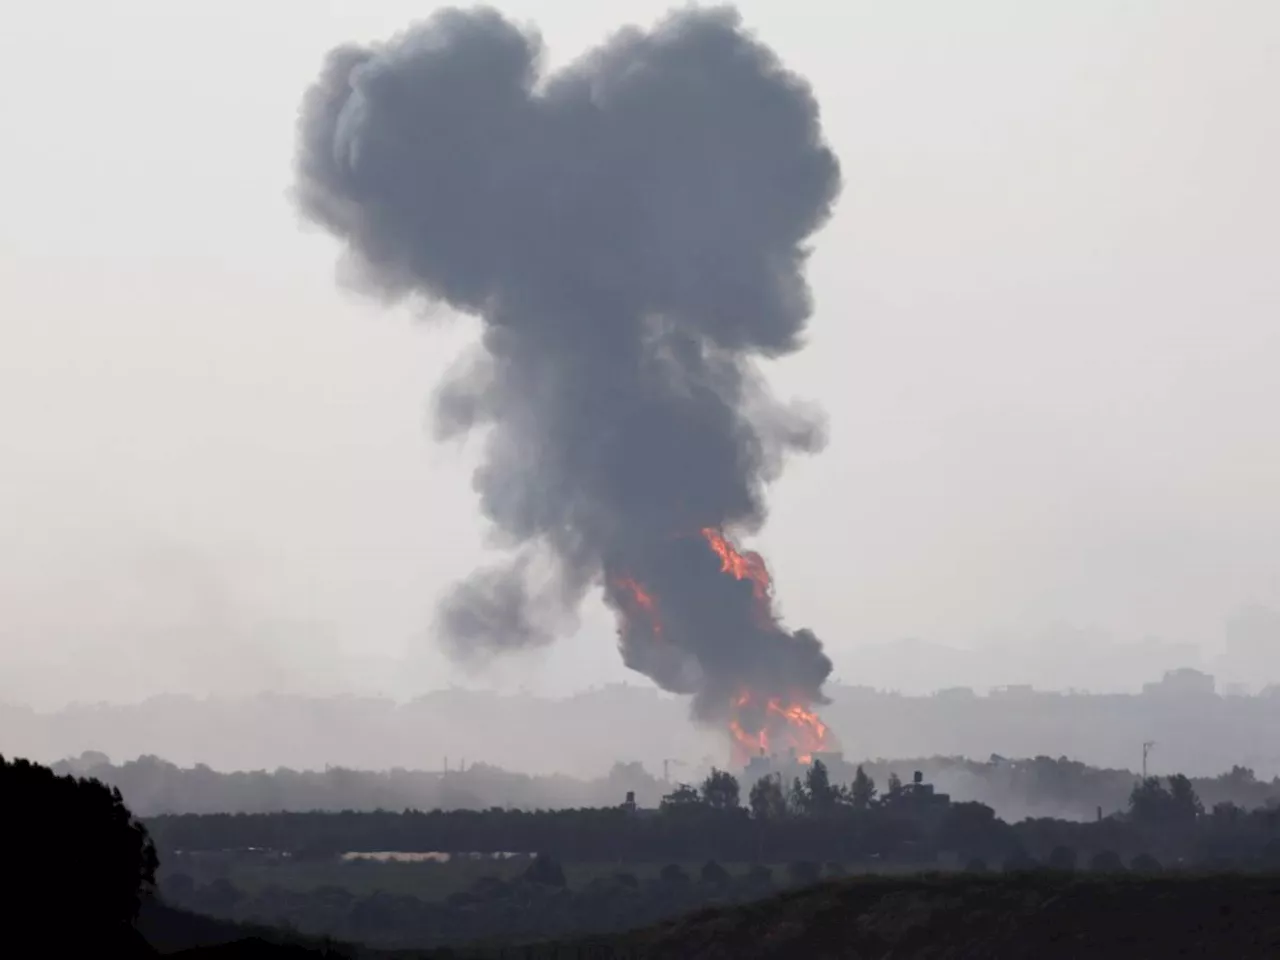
column 254, row 948
column 1033, row 915
column 1042, row 915
column 170, row 930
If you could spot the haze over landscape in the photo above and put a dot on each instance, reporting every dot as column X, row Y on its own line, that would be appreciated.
column 618, row 480
column 1043, row 337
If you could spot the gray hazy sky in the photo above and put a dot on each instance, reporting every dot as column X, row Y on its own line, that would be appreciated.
column 1046, row 338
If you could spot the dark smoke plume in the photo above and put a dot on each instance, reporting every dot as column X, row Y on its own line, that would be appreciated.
column 632, row 231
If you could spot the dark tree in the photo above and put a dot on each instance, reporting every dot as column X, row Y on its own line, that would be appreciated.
column 1239, row 777
column 822, row 796
column 767, row 799
column 894, row 790
column 862, row 793
column 683, row 797
column 720, row 790
column 972, row 830
column 1185, row 804
column 72, row 853
column 1224, row 811
column 1152, row 802
column 798, row 799
column 545, row 870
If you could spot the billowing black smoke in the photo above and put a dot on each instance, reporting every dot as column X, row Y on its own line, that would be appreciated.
column 631, row 229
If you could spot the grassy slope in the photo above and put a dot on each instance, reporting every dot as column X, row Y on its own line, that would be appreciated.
column 426, row 881
column 1002, row 916
column 173, row 931
column 933, row 918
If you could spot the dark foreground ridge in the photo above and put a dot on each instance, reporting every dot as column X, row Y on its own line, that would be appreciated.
column 1043, row 915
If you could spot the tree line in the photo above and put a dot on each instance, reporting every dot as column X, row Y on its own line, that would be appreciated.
column 811, row 818
column 779, row 834
column 1014, row 788
column 79, row 864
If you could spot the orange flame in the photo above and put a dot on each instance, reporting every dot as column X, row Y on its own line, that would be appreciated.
column 741, row 566
column 642, row 601
column 785, row 725
column 747, row 566
column 758, row 723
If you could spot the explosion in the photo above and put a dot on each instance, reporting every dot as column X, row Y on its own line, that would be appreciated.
column 638, row 603
column 790, row 727
column 759, row 721
column 630, row 233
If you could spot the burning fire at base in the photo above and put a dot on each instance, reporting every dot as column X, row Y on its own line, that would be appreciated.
column 789, row 727
column 759, row 722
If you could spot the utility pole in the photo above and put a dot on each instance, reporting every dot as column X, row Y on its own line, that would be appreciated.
column 1146, row 748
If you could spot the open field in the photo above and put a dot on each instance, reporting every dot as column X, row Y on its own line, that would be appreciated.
column 939, row 917
column 425, row 880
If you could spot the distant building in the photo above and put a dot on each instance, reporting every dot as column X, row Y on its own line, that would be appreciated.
column 1185, row 682
column 629, row 807
column 956, row 693
column 789, row 766
column 1013, row 690
column 923, row 793
column 918, row 798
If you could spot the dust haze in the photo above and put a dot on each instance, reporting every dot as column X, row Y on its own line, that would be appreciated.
column 1042, row 331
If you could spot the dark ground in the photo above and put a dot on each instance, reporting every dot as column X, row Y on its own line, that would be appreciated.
column 1038, row 915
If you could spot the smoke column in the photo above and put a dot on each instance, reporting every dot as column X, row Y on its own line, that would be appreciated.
column 631, row 230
